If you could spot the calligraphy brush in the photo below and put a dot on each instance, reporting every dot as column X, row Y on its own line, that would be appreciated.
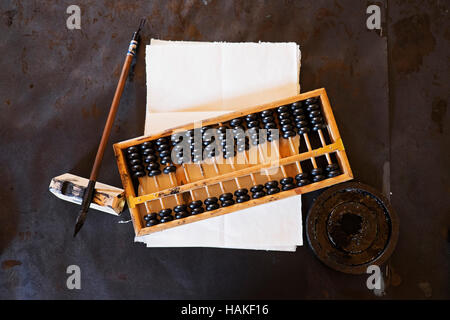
column 89, row 191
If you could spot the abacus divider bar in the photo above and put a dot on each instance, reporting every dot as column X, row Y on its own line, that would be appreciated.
column 291, row 145
column 323, row 143
column 308, row 145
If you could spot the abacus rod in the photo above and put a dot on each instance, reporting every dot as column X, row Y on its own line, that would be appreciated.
column 218, row 172
column 308, row 146
column 174, row 184
column 263, row 159
column 291, row 145
column 283, row 171
column 188, row 181
column 322, row 141
column 252, row 177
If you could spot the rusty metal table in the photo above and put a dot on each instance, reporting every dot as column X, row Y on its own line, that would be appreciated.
column 389, row 89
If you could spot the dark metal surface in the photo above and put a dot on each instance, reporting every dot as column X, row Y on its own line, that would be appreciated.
column 352, row 226
column 389, row 91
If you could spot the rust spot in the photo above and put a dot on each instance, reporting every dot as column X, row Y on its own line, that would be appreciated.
column 25, row 235
column 122, row 276
column 414, row 40
column 8, row 264
column 31, row 86
column 175, row 190
column 324, row 13
column 9, row 17
column 8, row 102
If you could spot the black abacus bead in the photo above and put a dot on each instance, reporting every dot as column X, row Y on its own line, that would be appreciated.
column 169, row 169
column 334, row 173
column 312, row 107
column 212, row 207
column 139, row 174
column 316, row 171
column 288, row 186
column 332, row 167
column 273, row 190
column 227, row 203
column 150, row 158
column 197, row 210
column 243, row 198
column 266, row 113
column 271, row 184
column 226, row 196
column 152, row 166
column 295, row 105
column 166, row 219
column 301, row 175
column 297, row 112
column 195, row 204
column 314, row 113
column 256, row 188
column 150, row 216
column 287, row 127
column 301, row 124
column 134, row 155
column 161, row 141
column 234, row 123
column 253, row 124
column 283, row 109
column 135, row 162
column 251, row 117
column 318, row 178
column 148, row 151
column 211, row 200
column 165, row 212
column 154, row 172
column 165, row 153
column 316, row 120
column 310, row 101
column 268, row 119
column 284, row 115
column 152, row 222
column 166, row 160
column 258, row 194
column 288, row 134
column 303, row 182
column 287, row 180
column 163, row 147
column 318, row 126
column 180, row 207
column 132, row 149
column 303, row 130
column 137, row 167
column 270, row 125
column 301, row 117
column 241, row 192
column 181, row 215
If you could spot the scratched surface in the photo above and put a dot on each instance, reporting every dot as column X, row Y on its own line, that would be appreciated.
column 389, row 91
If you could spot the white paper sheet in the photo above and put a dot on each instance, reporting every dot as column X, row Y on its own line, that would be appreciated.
column 208, row 79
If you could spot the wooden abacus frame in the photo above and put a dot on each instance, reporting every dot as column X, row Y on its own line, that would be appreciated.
column 336, row 146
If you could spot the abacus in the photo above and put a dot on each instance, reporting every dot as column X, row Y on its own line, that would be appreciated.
column 194, row 172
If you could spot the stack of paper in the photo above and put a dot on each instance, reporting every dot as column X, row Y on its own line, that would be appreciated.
column 191, row 81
